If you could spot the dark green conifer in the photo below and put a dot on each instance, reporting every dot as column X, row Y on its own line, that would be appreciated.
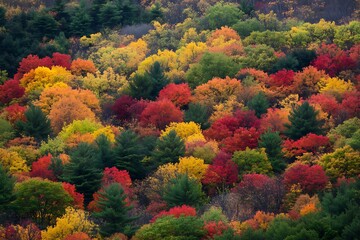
column 128, row 154
column 303, row 120
column 272, row 142
column 114, row 212
column 183, row 190
column 84, row 170
column 168, row 150
column 37, row 125
column 259, row 104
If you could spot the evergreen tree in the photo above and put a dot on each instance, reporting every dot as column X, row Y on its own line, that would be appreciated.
column 198, row 113
column 183, row 190
column 80, row 21
column 6, row 189
column 37, row 125
column 56, row 166
column 105, row 151
column 128, row 154
column 168, row 150
column 114, row 211
column 259, row 104
column 303, row 121
column 156, row 12
column 84, row 170
column 148, row 86
column 272, row 142
column 110, row 14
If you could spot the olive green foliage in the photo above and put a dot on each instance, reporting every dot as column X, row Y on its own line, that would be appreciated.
column 169, row 227
column 6, row 132
column 6, row 188
column 252, row 161
column 211, row 65
column 42, row 201
column 222, row 14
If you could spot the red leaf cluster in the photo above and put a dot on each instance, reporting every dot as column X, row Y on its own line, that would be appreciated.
column 309, row 143
column 78, row 197
column 15, row 112
column 113, row 175
column 160, row 113
column 183, row 210
column 223, row 171
column 9, row 90
column 333, row 60
column 179, row 94
column 310, row 178
column 33, row 61
column 122, row 107
column 78, row 236
column 214, row 229
column 281, row 78
column 40, row 168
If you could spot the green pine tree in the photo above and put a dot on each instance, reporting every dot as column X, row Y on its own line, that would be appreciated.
column 84, row 170
column 303, row 120
column 183, row 190
column 114, row 212
column 272, row 142
column 6, row 189
column 80, row 24
column 198, row 113
column 128, row 154
column 148, row 86
column 106, row 154
column 259, row 104
column 37, row 125
column 168, row 150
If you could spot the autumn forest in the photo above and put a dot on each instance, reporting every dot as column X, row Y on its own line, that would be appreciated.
column 179, row 120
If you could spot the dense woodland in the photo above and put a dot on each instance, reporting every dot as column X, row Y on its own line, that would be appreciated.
column 196, row 119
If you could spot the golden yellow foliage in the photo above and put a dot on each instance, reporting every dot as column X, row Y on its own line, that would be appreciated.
column 308, row 208
column 193, row 167
column 12, row 162
column 335, row 86
column 41, row 77
column 74, row 220
column 183, row 129
column 217, row 91
column 107, row 131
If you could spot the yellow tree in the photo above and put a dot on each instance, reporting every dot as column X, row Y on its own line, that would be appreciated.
column 66, row 110
column 51, row 95
column 12, row 162
column 74, row 220
column 41, row 77
column 183, row 129
column 217, row 91
column 193, row 167
column 335, row 86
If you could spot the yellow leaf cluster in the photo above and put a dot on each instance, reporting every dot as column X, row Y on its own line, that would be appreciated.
column 12, row 161
column 74, row 220
column 308, row 208
column 184, row 130
column 335, row 86
column 193, row 167
column 41, row 77
column 217, row 91
column 107, row 131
